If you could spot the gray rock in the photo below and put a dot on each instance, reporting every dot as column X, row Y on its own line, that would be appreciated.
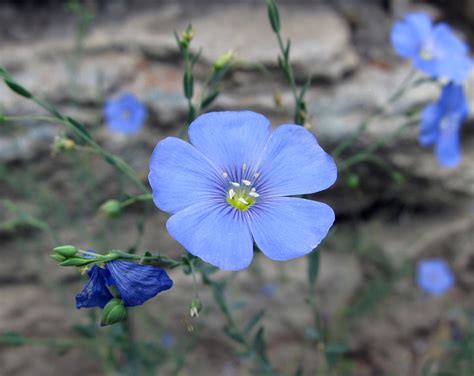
column 320, row 39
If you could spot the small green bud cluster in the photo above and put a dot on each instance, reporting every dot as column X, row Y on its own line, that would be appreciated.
column 195, row 307
column 113, row 312
column 68, row 255
column 186, row 37
column 224, row 61
column 63, row 143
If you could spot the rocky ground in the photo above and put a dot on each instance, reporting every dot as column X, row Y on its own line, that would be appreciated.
column 383, row 225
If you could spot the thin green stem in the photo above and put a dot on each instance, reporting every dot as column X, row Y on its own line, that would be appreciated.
column 403, row 89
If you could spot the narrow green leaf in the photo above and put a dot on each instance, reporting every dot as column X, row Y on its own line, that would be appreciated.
column 313, row 267
column 254, row 321
column 273, row 15
column 260, row 346
column 209, row 99
column 79, row 127
column 17, row 88
column 188, row 84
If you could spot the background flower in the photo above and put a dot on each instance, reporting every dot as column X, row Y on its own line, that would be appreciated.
column 125, row 114
column 230, row 189
column 441, row 124
column 434, row 49
column 434, row 276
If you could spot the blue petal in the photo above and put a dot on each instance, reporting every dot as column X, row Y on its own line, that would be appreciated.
column 454, row 62
column 230, row 140
column 430, row 119
column 448, row 148
column 180, row 176
column 94, row 293
column 137, row 283
column 293, row 163
column 408, row 35
column 288, row 227
column 216, row 232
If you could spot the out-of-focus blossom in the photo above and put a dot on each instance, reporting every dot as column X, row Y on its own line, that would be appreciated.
column 434, row 276
column 433, row 48
column 441, row 124
column 125, row 114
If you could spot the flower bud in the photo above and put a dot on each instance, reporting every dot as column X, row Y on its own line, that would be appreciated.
column 224, row 60
column 188, row 34
column 195, row 307
column 76, row 261
column 112, row 208
column 62, row 143
column 114, row 312
column 57, row 257
column 66, row 250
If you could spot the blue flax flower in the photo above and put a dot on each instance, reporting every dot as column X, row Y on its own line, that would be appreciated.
column 125, row 114
column 135, row 283
column 434, row 276
column 230, row 187
column 434, row 49
column 441, row 124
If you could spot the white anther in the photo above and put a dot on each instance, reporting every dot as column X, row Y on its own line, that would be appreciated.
column 235, row 184
column 231, row 193
column 225, row 174
column 246, row 182
column 244, row 166
column 253, row 189
column 257, row 174
column 254, row 194
column 243, row 201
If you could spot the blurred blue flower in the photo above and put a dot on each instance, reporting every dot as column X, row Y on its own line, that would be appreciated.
column 441, row 124
column 434, row 276
column 167, row 341
column 125, row 114
column 268, row 289
column 434, row 49
column 228, row 189
column 135, row 283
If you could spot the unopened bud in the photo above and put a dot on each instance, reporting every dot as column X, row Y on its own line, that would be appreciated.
column 114, row 312
column 353, row 181
column 195, row 307
column 57, row 257
column 76, row 261
column 66, row 250
column 62, row 143
column 187, row 35
column 224, row 60
column 112, row 208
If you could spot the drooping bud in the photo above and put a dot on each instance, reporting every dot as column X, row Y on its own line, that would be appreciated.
column 195, row 307
column 114, row 312
column 111, row 208
column 66, row 250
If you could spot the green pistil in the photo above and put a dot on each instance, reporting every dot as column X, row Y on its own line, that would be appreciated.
column 241, row 196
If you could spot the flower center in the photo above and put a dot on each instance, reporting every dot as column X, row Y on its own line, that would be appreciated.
column 241, row 195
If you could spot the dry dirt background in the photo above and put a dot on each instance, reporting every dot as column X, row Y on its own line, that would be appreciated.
column 381, row 227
